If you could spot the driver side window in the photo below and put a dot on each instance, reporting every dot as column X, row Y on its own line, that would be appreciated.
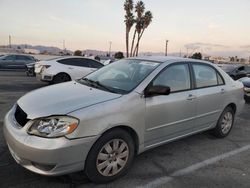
column 177, row 77
column 10, row 57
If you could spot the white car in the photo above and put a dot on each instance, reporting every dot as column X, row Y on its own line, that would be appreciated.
column 64, row 69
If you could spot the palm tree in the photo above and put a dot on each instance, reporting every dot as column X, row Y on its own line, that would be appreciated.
column 129, row 20
column 146, row 20
column 139, row 9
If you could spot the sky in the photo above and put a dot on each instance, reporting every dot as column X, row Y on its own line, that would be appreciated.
column 216, row 27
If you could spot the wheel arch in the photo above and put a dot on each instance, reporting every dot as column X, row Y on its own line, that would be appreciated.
column 130, row 131
column 233, row 106
column 63, row 73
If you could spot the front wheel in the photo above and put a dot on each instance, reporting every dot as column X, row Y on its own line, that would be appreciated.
column 224, row 124
column 110, row 157
column 247, row 99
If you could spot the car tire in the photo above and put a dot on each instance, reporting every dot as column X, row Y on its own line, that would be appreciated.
column 247, row 99
column 61, row 77
column 224, row 124
column 110, row 157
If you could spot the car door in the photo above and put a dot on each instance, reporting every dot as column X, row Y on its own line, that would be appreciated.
column 72, row 66
column 9, row 62
column 21, row 61
column 240, row 72
column 247, row 68
column 85, row 66
column 171, row 116
column 211, row 93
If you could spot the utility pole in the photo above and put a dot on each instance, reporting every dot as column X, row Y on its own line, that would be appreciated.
column 180, row 52
column 187, row 52
column 166, row 51
column 63, row 44
column 9, row 41
column 110, row 45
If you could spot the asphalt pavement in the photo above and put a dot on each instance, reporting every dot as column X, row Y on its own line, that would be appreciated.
column 196, row 161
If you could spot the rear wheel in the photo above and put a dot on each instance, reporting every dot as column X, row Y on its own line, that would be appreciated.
column 224, row 124
column 110, row 157
column 61, row 77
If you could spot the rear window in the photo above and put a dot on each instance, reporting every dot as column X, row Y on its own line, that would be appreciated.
column 95, row 64
column 22, row 57
column 81, row 62
column 74, row 62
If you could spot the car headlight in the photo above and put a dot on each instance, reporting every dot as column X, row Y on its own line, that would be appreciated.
column 246, row 89
column 54, row 126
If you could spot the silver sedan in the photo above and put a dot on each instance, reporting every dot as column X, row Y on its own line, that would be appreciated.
column 100, row 122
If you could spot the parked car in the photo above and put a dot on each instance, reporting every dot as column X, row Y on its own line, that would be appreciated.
column 30, row 69
column 99, row 123
column 236, row 71
column 15, row 61
column 64, row 69
column 246, row 83
column 109, row 61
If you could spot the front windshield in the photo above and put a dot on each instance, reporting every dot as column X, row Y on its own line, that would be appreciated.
column 122, row 76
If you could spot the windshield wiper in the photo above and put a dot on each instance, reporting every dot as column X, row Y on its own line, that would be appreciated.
column 98, row 84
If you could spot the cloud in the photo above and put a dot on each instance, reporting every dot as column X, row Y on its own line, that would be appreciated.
column 215, row 21
column 213, row 25
column 207, row 46
column 56, row 19
column 245, row 47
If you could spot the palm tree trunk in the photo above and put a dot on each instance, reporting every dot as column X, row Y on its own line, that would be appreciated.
column 127, row 42
column 138, row 39
column 138, row 43
column 133, row 42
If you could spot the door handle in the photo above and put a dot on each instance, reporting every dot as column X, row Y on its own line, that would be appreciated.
column 191, row 97
column 70, row 68
column 222, row 91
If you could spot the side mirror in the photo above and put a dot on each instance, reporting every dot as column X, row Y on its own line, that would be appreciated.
column 157, row 90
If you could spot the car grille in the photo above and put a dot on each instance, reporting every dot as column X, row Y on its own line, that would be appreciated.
column 20, row 116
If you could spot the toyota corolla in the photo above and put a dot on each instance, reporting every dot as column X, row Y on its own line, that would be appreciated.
column 100, row 122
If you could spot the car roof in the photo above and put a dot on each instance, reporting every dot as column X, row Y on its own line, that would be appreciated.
column 68, row 57
column 164, row 59
column 20, row 54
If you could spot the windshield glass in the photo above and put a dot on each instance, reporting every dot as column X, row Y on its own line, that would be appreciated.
column 228, row 68
column 2, row 56
column 122, row 76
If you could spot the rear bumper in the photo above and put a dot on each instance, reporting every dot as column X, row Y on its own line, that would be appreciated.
column 44, row 156
column 44, row 77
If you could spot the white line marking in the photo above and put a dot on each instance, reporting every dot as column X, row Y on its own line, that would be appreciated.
column 165, row 179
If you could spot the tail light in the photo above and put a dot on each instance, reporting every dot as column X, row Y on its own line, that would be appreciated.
column 45, row 67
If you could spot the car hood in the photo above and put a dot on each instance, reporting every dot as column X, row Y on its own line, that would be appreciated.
column 246, row 83
column 62, row 99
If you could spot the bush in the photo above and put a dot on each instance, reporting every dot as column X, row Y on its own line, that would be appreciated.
column 78, row 53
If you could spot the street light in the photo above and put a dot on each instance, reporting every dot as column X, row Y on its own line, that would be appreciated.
column 166, row 52
column 110, row 44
